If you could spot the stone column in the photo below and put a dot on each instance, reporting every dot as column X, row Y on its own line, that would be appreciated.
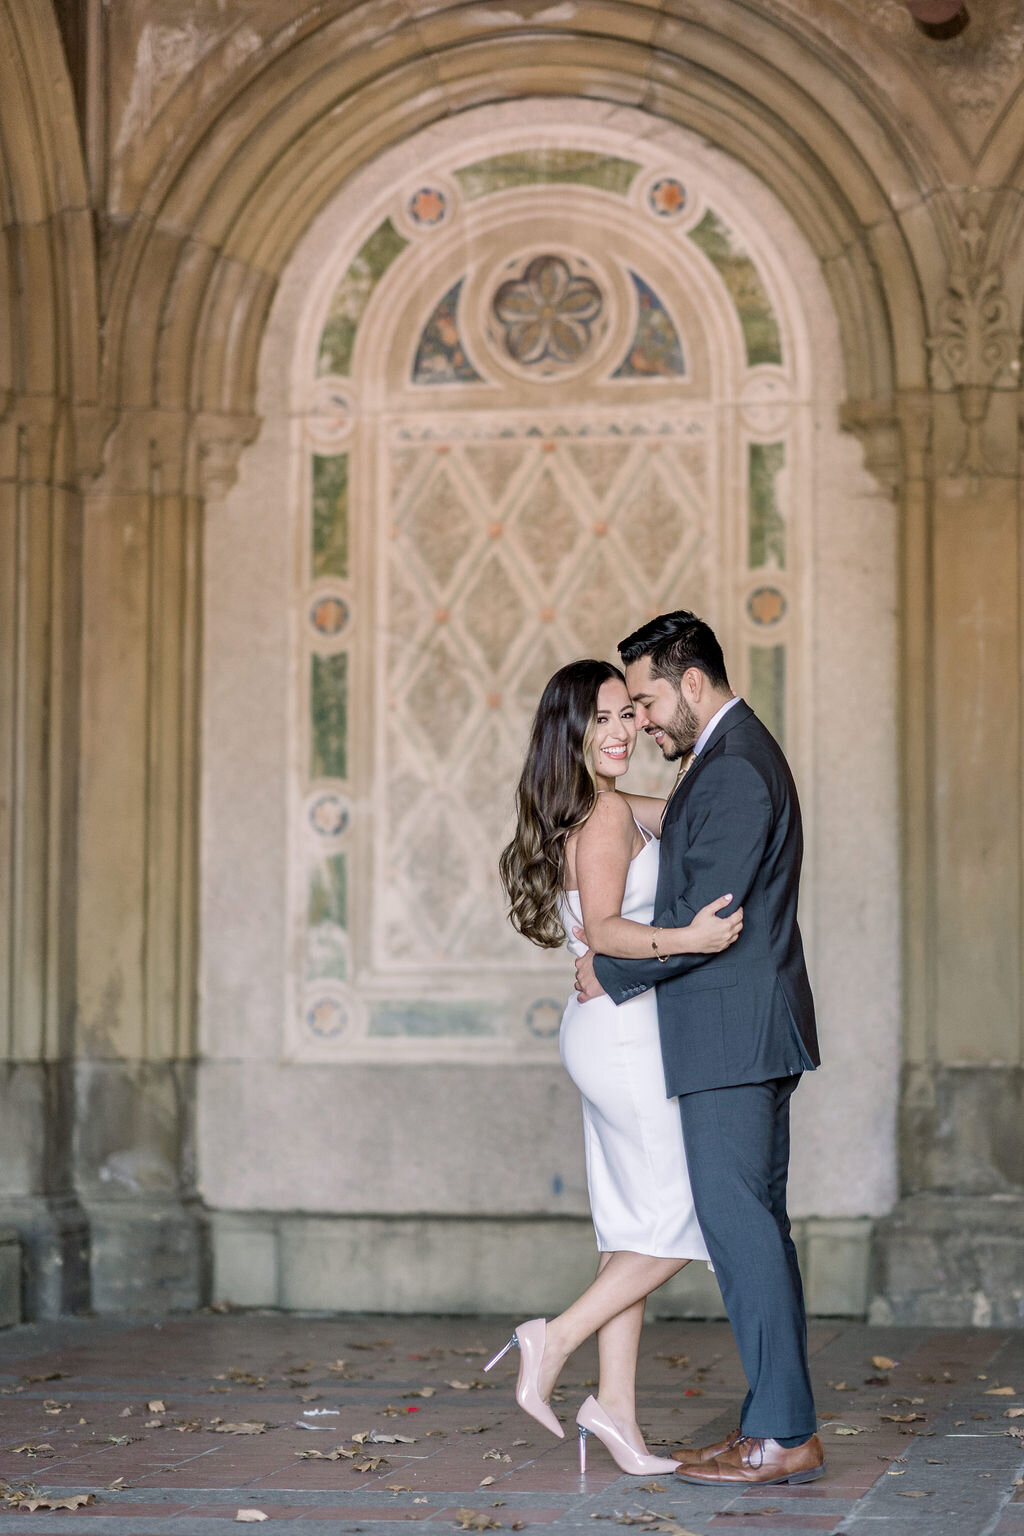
column 953, row 1250
column 135, row 1070
column 40, row 570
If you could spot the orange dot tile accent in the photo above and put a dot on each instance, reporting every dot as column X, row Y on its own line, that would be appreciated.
column 653, row 447
column 550, row 447
column 443, row 448
column 547, row 615
column 442, row 615
column 495, row 530
column 600, row 529
column 494, row 701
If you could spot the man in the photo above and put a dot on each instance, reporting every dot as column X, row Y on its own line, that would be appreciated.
column 737, row 1028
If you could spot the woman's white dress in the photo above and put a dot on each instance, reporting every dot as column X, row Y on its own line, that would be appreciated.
column 639, row 1186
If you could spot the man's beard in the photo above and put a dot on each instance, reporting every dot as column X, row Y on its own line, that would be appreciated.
column 682, row 731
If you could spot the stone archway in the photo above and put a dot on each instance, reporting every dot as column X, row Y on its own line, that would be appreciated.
column 459, row 522
column 214, row 177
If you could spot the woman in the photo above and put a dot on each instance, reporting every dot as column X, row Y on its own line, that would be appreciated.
column 585, row 857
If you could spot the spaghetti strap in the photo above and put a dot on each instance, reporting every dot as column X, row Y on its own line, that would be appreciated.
column 648, row 837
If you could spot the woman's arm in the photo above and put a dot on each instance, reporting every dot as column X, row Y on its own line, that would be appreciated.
column 604, row 848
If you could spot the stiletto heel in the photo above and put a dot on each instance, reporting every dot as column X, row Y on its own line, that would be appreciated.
column 592, row 1420
column 529, row 1337
column 502, row 1352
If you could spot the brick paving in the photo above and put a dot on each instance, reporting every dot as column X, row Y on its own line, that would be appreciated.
column 136, row 1414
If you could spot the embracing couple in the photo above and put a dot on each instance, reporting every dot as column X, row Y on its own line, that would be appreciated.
column 690, row 1026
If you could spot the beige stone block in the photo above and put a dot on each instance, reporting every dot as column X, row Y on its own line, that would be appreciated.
column 10, row 1277
column 450, row 1140
column 465, row 1267
column 245, row 1259
column 834, row 1258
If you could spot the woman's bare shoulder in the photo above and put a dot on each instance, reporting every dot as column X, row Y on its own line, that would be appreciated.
column 611, row 814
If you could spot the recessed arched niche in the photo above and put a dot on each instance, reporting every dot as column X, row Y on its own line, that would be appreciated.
column 533, row 377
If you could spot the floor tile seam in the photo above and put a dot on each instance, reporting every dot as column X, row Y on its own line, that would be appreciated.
column 882, row 1493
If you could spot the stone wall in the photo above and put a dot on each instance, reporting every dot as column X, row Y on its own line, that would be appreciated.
column 164, row 184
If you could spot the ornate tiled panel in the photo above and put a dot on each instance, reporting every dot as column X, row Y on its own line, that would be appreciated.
column 548, row 402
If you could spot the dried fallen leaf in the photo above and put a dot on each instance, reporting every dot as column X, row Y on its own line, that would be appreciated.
column 370, row 1464
column 157, row 1406
column 377, row 1439
column 475, row 1520
column 913, row 1493
column 937, row 1461
column 840, row 1386
column 519, row 1442
column 51, row 1501
column 901, row 1418
column 53, row 1408
column 248, row 1428
column 1000, row 1392
column 28, row 1449
column 883, row 1363
column 469, row 1386
column 850, row 1429
column 125, row 1413
column 340, row 1368
column 117, row 1486
column 399, row 1488
column 49, row 1376
column 310, row 1397
column 473, row 1429
column 485, row 1482
column 421, row 1392
column 1013, row 1413
column 674, row 1362
column 250, row 1516
column 897, row 1472
column 338, row 1454
column 651, row 1488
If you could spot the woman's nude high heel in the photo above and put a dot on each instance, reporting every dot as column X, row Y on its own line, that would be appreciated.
column 529, row 1337
column 592, row 1420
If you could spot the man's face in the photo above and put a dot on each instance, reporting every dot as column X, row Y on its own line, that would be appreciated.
column 662, row 710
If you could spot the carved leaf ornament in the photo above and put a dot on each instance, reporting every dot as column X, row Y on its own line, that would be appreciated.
column 974, row 339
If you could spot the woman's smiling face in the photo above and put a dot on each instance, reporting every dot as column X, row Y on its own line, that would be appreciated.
column 614, row 734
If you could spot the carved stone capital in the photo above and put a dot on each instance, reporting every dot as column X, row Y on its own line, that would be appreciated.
column 174, row 452
column 876, row 425
column 91, row 429
column 219, row 440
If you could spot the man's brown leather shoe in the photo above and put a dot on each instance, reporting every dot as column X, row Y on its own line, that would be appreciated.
column 700, row 1454
column 760, row 1462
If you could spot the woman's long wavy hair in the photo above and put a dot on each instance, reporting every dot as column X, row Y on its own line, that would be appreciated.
column 557, row 792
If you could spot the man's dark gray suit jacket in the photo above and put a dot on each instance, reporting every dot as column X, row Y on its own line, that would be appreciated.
column 745, row 1015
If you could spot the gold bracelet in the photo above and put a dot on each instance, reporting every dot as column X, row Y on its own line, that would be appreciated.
column 654, row 945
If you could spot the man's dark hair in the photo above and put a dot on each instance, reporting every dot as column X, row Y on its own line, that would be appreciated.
column 675, row 642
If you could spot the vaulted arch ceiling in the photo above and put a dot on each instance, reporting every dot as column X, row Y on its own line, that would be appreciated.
column 260, row 148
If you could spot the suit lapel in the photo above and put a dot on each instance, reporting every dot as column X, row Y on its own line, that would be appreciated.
column 738, row 713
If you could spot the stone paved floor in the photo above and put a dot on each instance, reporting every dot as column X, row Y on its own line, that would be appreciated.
column 922, row 1435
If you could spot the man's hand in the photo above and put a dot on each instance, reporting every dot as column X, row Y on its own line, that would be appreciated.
column 587, row 985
